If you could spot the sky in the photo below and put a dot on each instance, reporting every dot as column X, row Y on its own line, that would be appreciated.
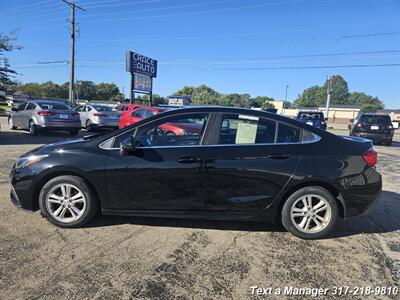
column 234, row 46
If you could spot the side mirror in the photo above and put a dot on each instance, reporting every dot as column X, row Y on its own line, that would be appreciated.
column 128, row 147
column 326, row 119
column 14, row 109
column 351, row 120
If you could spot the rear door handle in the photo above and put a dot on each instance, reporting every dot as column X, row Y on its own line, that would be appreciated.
column 278, row 156
column 188, row 160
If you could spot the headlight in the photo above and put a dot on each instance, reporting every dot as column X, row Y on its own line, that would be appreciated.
column 29, row 160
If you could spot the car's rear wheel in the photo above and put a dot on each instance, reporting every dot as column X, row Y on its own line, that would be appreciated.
column 33, row 128
column 89, row 126
column 67, row 201
column 11, row 123
column 310, row 213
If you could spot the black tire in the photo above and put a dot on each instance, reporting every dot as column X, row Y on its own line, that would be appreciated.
column 310, row 190
column 33, row 128
column 89, row 127
column 73, row 132
column 91, row 207
column 11, row 124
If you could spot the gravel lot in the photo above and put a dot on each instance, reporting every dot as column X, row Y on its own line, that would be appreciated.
column 136, row 258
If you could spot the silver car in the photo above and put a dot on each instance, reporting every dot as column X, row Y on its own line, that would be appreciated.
column 38, row 115
column 98, row 116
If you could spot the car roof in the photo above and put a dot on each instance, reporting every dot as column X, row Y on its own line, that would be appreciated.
column 310, row 112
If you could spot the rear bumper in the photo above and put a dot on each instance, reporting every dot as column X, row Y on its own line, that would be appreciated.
column 60, row 124
column 360, row 193
column 376, row 137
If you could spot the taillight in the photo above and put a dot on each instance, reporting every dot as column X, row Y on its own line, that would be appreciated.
column 359, row 125
column 46, row 113
column 75, row 114
column 99, row 115
column 370, row 157
column 322, row 122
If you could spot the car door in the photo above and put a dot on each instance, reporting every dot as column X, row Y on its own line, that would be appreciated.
column 164, row 173
column 81, row 111
column 18, row 115
column 27, row 114
column 252, row 159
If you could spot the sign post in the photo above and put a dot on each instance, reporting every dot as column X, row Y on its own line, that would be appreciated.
column 143, row 69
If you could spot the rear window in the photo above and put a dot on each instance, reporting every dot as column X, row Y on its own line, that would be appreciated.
column 309, row 116
column 375, row 119
column 102, row 108
column 56, row 106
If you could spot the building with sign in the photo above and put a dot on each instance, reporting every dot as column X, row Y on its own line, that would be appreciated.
column 179, row 100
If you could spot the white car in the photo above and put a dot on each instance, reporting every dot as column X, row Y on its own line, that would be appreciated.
column 98, row 116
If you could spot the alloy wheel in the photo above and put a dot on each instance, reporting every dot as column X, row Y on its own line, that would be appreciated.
column 311, row 213
column 66, row 203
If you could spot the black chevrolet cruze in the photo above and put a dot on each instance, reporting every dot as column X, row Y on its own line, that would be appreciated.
column 204, row 162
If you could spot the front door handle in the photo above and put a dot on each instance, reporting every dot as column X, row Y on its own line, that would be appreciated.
column 188, row 160
column 278, row 156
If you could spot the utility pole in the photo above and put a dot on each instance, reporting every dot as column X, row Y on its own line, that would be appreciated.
column 72, row 5
column 284, row 102
column 328, row 96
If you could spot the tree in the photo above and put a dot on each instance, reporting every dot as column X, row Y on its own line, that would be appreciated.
column 309, row 98
column 86, row 89
column 6, row 45
column 315, row 96
column 361, row 99
column 106, row 91
column 50, row 89
column 267, row 105
column 340, row 93
column 370, row 108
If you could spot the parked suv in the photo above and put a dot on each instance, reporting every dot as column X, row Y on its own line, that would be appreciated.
column 313, row 118
column 376, row 127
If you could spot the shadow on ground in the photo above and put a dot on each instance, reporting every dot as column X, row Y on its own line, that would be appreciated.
column 383, row 219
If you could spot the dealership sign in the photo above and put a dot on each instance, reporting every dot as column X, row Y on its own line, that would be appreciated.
column 140, row 64
column 142, row 83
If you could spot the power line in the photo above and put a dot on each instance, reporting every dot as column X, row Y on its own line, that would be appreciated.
column 368, row 35
column 307, row 67
column 199, row 12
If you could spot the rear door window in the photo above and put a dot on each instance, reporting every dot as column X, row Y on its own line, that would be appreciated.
column 288, row 134
column 30, row 106
column 245, row 129
column 140, row 113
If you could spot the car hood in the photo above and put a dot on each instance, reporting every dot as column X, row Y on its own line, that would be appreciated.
column 55, row 147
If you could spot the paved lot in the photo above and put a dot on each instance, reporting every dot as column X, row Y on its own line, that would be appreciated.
column 146, row 258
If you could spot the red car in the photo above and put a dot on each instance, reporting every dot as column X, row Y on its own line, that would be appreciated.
column 127, row 108
column 168, row 129
column 138, row 113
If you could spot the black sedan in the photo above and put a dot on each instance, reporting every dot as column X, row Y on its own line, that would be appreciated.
column 204, row 162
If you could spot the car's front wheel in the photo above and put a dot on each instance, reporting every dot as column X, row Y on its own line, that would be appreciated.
column 11, row 123
column 67, row 201
column 310, row 213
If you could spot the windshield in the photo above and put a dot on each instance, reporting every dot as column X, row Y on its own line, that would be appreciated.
column 310, row 116
column 55, row 106
column 102, row 108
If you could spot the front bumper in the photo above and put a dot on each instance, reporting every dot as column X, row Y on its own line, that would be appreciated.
column 22, row 188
